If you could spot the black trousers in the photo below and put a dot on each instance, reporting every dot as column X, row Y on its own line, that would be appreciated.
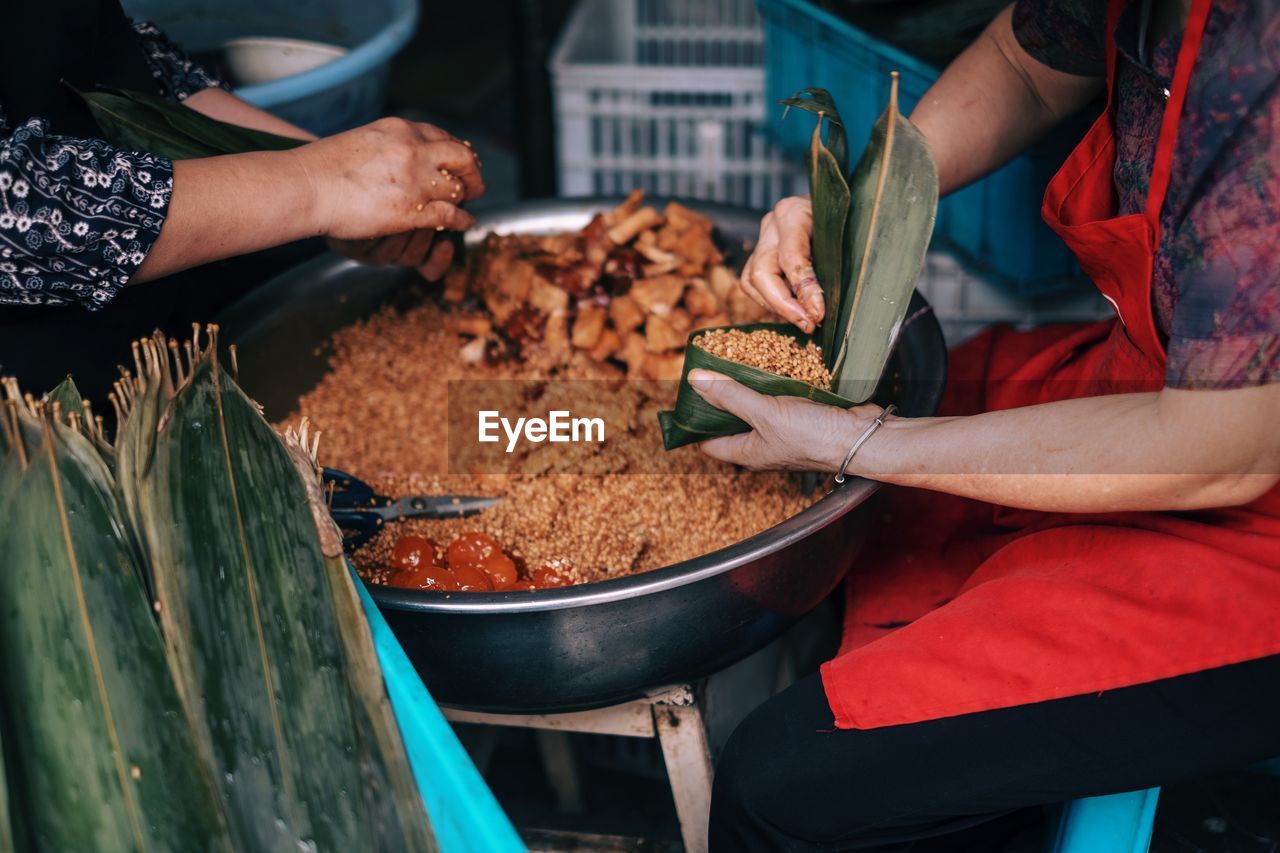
column 790, row 781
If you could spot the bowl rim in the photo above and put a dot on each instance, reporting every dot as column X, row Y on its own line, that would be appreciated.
column 334, row 50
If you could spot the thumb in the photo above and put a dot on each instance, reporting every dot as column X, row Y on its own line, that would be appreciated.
column 728, row 394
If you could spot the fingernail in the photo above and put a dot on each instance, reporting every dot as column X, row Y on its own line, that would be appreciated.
column 700, row 379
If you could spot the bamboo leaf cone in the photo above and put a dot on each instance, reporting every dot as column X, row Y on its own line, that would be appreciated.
column 694, row 419
column 97, row 740
column 868, row 263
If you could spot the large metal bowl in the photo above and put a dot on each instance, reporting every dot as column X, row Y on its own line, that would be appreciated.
column 591, row 645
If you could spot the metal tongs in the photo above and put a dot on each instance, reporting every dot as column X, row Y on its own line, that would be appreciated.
column 361, row 512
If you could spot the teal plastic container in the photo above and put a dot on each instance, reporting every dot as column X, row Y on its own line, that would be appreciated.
column 993, row 226
column 464, row 813
column 1116, row 823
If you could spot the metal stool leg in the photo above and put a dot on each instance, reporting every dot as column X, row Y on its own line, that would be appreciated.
column 562, row 771
column 678, row 721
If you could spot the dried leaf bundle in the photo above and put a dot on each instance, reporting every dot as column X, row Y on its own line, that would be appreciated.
column 230, row 697
column 97, row 739
column 271, row 656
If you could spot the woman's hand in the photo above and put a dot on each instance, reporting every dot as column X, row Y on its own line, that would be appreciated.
column 779, row 274
column 381, row 193
column 787, row 433
column 418, row 249
column 391, row 178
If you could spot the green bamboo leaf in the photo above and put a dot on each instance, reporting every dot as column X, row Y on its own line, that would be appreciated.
column 391, row 792
column 694, row 419
column 819, row 102
column 9, row 840
column 223, row 137
column 68, row 398
column 139, row 398
column 129, row 125
column 894, row 199
column 829, row 194
column 21, row 431
column 97, row 735
column 143, row 122
column 77, row 413
column 256, row 634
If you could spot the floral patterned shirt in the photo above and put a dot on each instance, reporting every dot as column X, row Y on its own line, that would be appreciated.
column 1216, row 283
column 77, row 216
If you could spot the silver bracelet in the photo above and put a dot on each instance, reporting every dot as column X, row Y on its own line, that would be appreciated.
column 862, row 439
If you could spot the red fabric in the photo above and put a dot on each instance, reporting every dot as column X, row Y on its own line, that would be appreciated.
column 960, row 606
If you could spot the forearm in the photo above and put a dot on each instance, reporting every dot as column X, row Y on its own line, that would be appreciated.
column 231, row 205
column 1155, row 451
column 224, row 106
column 991, row 103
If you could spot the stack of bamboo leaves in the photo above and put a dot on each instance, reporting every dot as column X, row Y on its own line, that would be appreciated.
column 183, row 658
column 871, row 228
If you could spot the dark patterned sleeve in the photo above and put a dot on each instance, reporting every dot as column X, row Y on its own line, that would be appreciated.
column 77, row 217
column 1066, row 35
column 178, row 76
column 1225, row 254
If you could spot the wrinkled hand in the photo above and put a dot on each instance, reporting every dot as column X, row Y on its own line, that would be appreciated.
column 787, row 433
column 779, row 274
column 391, row 179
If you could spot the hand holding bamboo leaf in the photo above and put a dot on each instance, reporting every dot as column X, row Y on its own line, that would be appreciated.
column 787, row 433
column 779, row 275
column 870, row 232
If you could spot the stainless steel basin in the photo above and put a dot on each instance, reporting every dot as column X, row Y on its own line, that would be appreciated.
column 592, row 645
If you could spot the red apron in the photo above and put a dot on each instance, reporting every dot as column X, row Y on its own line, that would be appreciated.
column 960, row 606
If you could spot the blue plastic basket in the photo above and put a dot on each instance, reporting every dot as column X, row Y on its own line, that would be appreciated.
column 335, row 96
column 994, row 225
column 465, row 816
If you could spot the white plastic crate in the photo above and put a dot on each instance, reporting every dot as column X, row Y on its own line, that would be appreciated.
column 667, row 95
